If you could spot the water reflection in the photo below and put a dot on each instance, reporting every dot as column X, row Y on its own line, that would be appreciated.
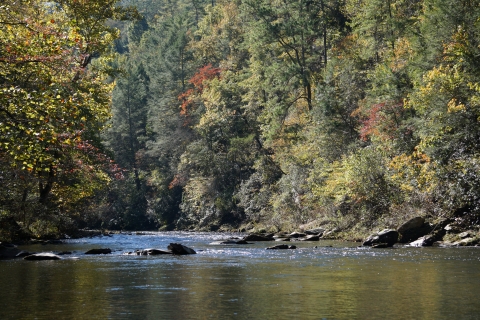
column 245, row 282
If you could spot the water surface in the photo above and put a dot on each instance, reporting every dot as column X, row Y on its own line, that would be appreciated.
column 336, row 280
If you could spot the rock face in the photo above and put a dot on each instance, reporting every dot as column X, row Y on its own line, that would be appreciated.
column 387, row 236
column 99, row 251
column 257, row 237
column 414, row 229
column 42, row 256
column 177, row 248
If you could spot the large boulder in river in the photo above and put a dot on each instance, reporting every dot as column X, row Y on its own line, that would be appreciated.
column 387, row 236
column 414, row 229
column 42, row 256
column 178, row 248
column 99, row 251
column 258, row 237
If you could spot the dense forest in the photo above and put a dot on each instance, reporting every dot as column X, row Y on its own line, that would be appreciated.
column 219, row 115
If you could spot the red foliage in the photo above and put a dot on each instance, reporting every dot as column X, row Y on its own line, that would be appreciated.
column 84, row 156
column 381, row 120
column 203, row 74
column 177, row 181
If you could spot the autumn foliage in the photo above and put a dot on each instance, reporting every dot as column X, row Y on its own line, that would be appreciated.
column 198, row 80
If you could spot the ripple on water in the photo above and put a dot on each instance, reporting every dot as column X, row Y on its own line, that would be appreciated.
column 319, row 279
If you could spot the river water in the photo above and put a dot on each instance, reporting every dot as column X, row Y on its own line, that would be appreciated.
column 335, row 280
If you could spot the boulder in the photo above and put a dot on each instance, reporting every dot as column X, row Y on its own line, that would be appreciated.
column 23, row 253
column 329, row 234
column 42, row 256
column 311, row 237
column 466, row 234
column 180, row 249
column 99, row 251
column 414, row 229
column 452, row 228
column 473, row 241
column 257, row 237
column 281, row 246
column 387, row 236
column 152, row 252
column 282, row 239
column 297, row 235
column 316, row 231
column 425, row 241
column 281, row 235
column 413, row 223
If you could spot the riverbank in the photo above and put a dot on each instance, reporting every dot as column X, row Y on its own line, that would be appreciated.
column 414, row 230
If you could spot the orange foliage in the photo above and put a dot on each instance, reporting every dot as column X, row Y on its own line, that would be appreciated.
column 198, row 80
column 381, row 120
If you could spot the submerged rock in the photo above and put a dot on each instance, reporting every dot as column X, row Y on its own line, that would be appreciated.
column 257, row 237
column 42, row 256
column 387, row 236
column 178, row 248
column 23, row 253
column 229, row 241
column 380, row 245
column 99, row 251
column 62, row 253
column 152, row 252
column 281, row 246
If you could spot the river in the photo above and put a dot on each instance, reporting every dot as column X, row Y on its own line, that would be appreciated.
column 335, row 280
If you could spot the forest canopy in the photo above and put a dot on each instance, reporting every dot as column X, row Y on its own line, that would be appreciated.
column 208, row 115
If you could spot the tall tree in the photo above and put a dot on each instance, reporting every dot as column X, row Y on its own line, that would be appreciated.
column 54, row 97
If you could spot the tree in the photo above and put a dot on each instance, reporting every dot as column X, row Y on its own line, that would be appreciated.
column 54, row 96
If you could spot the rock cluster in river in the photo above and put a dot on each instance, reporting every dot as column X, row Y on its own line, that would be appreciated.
column 173, row 248
column 418, row 232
